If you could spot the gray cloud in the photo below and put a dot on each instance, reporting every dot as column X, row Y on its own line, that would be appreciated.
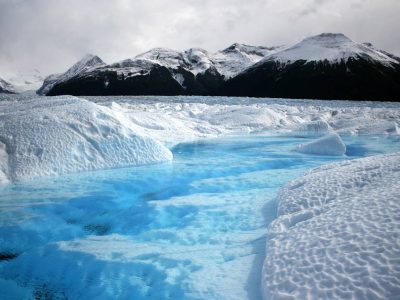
column 52, row 35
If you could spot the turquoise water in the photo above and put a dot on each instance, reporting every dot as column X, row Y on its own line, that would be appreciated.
column 191, row 229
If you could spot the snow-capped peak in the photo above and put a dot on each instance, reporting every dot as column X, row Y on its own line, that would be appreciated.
column 88, row 62
column 332, row 47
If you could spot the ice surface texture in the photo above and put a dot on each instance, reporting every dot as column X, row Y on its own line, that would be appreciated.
column 337, row 233
column 43, row 137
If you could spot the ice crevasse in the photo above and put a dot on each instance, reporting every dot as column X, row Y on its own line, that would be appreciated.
column 52, row 136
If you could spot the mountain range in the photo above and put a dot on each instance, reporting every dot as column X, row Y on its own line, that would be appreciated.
column 326, row 66
column 159, row 71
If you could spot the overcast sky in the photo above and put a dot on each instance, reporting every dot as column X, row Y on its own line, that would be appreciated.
column 51, row 35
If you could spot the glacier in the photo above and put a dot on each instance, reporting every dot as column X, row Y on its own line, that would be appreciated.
column 131, row 244
column 42, row 136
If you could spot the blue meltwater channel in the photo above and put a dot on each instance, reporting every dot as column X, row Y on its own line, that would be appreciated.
column 194, row 228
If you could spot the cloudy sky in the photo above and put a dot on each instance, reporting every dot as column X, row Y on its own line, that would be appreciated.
column 51, row 35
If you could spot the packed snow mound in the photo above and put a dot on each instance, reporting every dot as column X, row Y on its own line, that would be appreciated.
column 337, row 233
column 44, row 137
column 330, row 144
column 312, row 128
column 333, row 47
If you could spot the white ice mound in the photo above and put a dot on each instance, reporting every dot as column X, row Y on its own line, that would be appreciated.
column 330, row 144
column 337, row 233
column 312, row 128
column 51, row 136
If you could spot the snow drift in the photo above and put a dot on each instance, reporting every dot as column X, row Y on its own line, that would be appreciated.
column 337, row 232
column 43, row 137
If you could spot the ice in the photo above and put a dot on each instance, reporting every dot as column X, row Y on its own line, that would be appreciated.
column 52, row 136
column 180, row 119
column 330, row 144
column 169, row 122
column 195, row 228
column 337, row 232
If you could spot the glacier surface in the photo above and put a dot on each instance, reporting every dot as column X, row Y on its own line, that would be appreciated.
column 49, row 136
column 337, row 233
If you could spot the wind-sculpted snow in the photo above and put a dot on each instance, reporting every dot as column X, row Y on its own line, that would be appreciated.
column 45, row 137
column 337, row 233
column 330, row 144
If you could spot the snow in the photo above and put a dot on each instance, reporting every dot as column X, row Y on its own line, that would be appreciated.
column 330, row 47
column 6, row 86
column 51, row 136
column 330, row 144
column 337, row 233
column 238, row 57
column 179, row 78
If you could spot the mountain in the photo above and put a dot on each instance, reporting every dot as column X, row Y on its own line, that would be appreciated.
column 326, row 66
column 6, row 87
column 160, row 71
column 86, row 64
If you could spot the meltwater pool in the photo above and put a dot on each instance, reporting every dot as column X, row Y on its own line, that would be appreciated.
column 194, row 228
